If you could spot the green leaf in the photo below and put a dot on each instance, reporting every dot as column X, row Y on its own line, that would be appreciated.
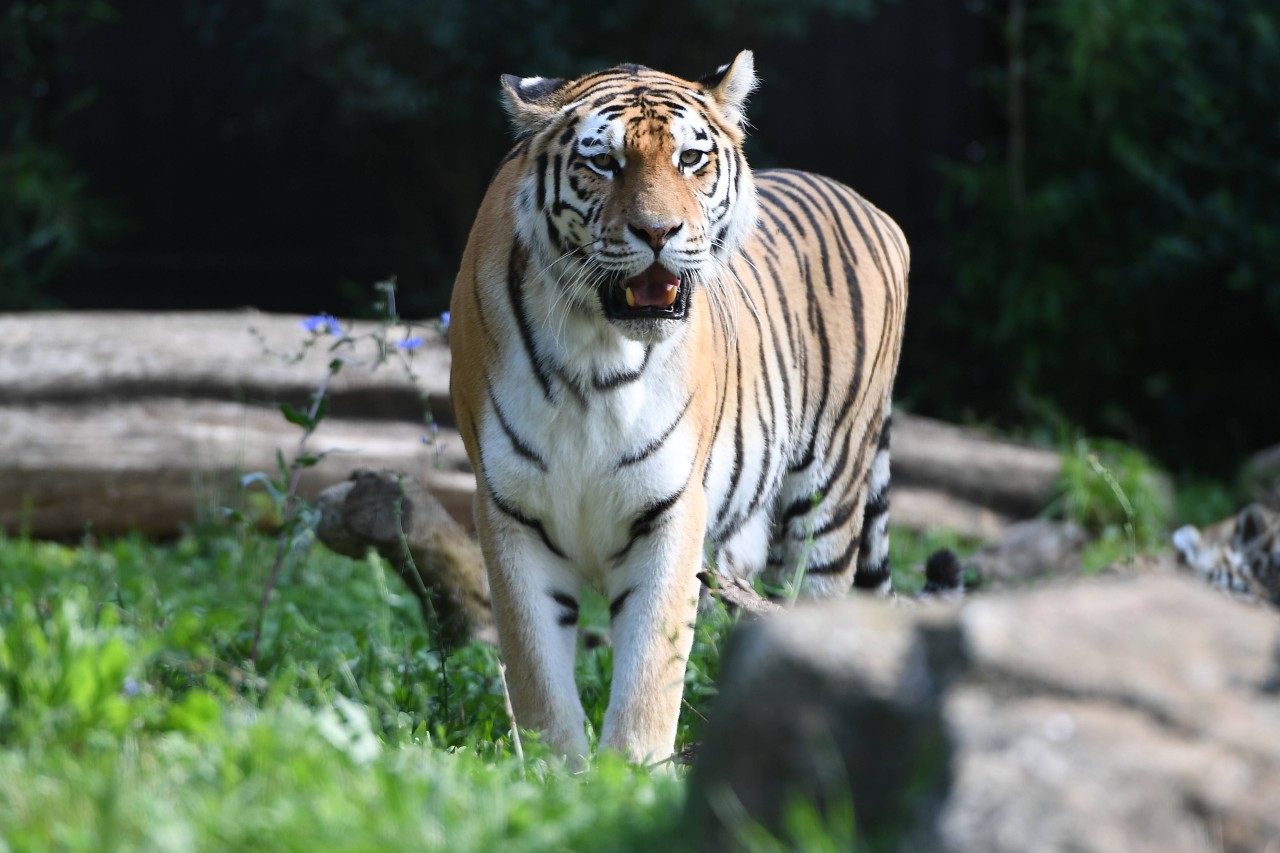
column 296, row 417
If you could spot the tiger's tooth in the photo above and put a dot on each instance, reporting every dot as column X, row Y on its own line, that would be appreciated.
column 671, row 295
column 631, row 298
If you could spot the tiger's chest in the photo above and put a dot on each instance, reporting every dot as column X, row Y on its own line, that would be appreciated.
column 587, row 452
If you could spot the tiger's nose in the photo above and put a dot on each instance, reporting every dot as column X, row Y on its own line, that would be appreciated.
column 655, row 235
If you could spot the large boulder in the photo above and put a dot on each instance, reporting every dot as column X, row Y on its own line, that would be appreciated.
column 1135, row 713
column 825, row 702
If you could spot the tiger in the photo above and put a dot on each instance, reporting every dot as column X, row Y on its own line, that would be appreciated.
column 661, row 359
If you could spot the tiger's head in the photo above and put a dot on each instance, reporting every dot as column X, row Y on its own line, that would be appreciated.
column 635, row 189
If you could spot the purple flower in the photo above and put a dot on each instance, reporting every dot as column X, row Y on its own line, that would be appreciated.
column 324, row 323
column 410, row 343
column 444, row 321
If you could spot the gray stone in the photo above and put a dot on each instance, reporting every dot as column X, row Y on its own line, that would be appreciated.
column 1029, row 551
column 1261, row 477
column 1131, row 714
column 1240, row 555
column 1134, row 713
column 826, row 701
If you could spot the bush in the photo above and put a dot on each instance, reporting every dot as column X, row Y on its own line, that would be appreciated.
column 404, row 96
column 1118, row 496
column 48, row 221
column 1118, row 251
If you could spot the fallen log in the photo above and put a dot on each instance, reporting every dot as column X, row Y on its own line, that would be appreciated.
column 1007, row 478
column 437, row 559
column 155, row 466
column 923, row 509
column 128, row 421
column 243, row 356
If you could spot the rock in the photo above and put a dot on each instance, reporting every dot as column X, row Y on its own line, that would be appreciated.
column 1063, row 774
column 825, row 701
column 1031, row 550
column 1135, row 713
column 1240, row 555
column 1261, row 477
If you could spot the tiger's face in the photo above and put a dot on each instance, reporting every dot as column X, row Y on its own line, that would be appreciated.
column 636, row 190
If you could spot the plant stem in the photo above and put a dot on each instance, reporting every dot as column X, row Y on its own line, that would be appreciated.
column 290, row 510
column 511, row 715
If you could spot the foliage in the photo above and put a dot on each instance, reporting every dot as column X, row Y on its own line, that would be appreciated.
column 131, row 718
column 1117, row 495
column 399, row 61
column 1203, row 502
column 404, row 95
column 297, row 518
column 908, row 553
column 1118, row 252
column 48, row 221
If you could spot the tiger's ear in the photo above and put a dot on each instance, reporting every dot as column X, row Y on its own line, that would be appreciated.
column 530, row 101
column 731, row 84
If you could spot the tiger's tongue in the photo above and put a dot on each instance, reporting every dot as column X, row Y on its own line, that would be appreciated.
column 653, row 288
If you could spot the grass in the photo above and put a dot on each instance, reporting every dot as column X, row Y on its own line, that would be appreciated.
column 909, row 551
column 129, row 719
column 1118, row 495
column 132, row 715
column 132, row 718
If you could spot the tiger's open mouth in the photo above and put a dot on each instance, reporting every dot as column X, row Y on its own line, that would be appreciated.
column 655, row 294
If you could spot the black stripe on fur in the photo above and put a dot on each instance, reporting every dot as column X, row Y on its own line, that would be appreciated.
column 569, row 617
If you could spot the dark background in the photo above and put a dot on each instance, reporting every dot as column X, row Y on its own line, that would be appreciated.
column 1091, row 189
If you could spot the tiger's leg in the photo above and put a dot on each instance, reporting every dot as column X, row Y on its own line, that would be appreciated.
column 653, row 601
column 873, row 572
column 535, row 604
column 836, row 528
column 743, row 554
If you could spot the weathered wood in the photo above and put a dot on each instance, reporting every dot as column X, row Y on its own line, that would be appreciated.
column 924, row 509
column 1006, row 477
column 128, row 421
column 438, row 560
column 78, row 358
column 156, row 465
column 131, row 421
column 737, row 593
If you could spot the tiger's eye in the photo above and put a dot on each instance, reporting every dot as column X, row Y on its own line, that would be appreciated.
column 690, row 157
column 604, row 162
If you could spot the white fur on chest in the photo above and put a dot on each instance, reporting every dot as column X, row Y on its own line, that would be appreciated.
column 577, row 472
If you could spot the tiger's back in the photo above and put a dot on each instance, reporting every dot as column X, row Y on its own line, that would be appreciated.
column 654, row 348
column 822, row 305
